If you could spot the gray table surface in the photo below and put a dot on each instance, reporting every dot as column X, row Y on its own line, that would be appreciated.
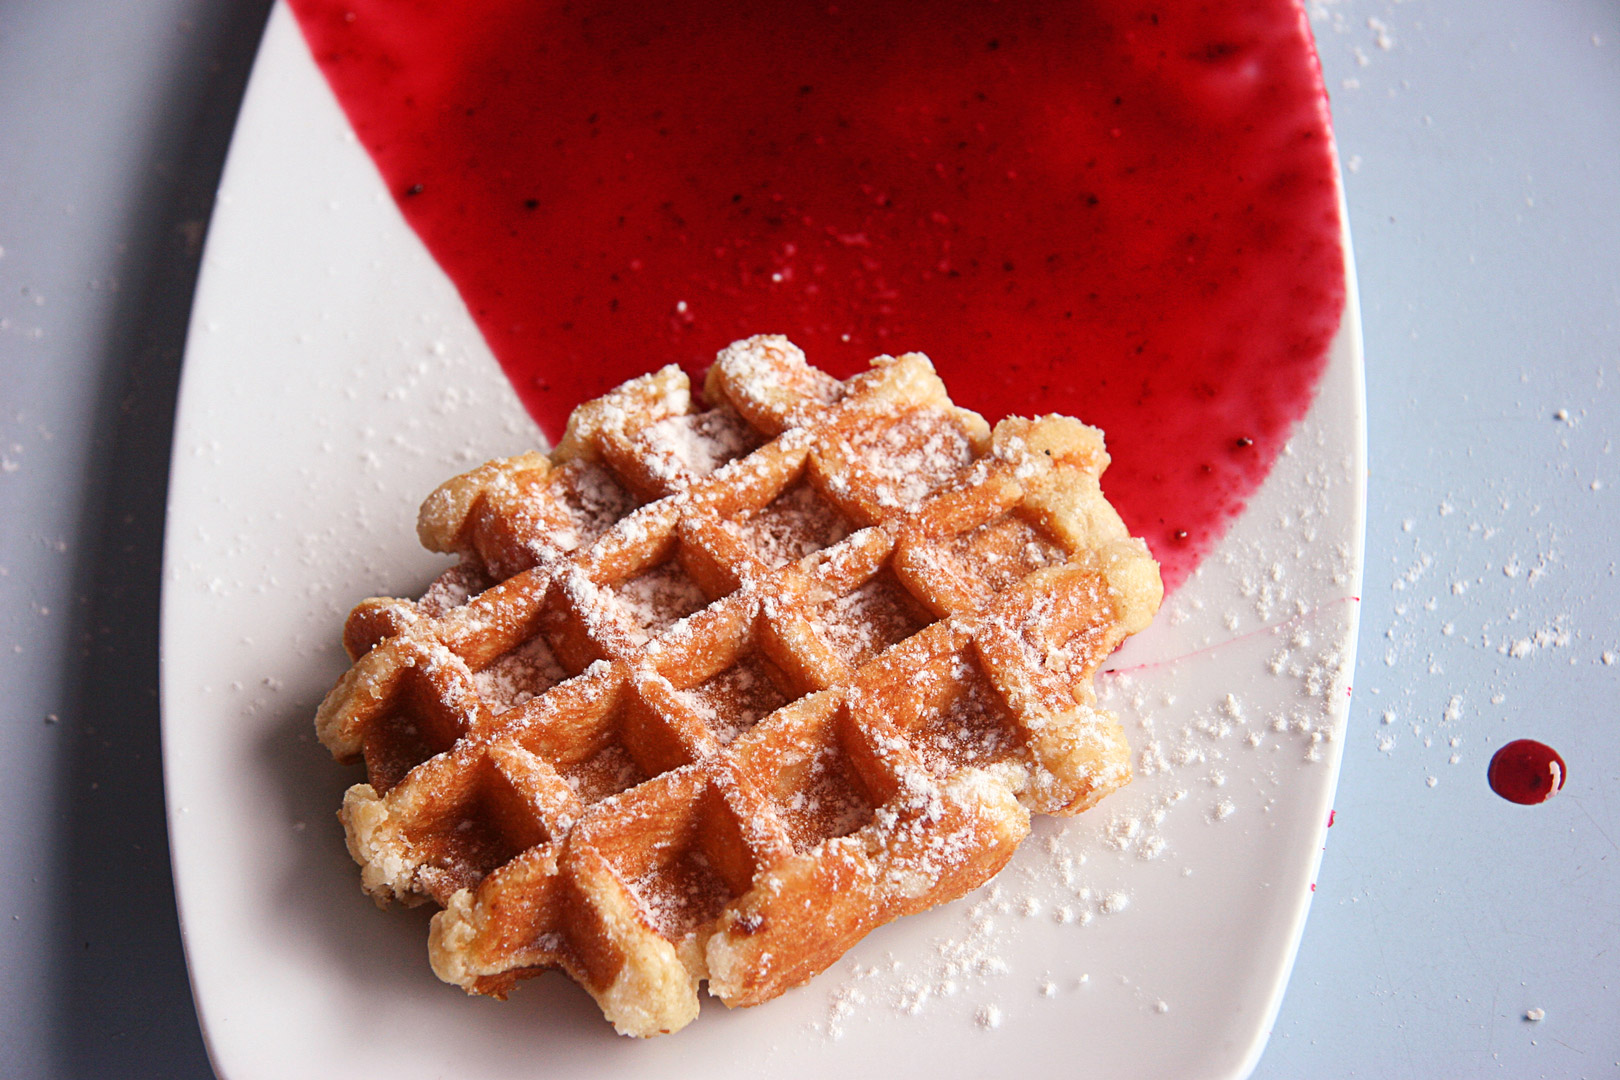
column 1481, row 142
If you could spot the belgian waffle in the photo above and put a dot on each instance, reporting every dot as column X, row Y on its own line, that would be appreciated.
column 712, row 693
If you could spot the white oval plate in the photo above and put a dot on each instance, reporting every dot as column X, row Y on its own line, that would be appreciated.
column 332, row 379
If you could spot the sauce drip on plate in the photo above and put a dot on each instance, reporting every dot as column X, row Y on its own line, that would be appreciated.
column 1526, row 772
column 1118, row 210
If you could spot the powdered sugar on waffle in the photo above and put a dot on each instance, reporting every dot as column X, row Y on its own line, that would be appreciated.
column 518, row 676
column 796, row 524
column 863, row 623
column 598, row 501
column 659, row 598
column 686, row 446
column 732, row 701
column 910, row 458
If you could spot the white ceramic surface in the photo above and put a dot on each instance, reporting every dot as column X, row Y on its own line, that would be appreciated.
column 332, row 379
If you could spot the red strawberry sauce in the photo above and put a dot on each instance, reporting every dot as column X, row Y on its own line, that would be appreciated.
column 1526, row 772
column 1121, row 210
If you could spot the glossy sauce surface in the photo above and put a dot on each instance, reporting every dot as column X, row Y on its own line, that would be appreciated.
column 1526, row 772
column 1122, row 211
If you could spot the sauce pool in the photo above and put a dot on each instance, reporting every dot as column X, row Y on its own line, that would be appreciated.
column 1118, row 210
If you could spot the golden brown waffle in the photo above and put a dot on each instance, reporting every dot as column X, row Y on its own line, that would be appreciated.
column 712, row 694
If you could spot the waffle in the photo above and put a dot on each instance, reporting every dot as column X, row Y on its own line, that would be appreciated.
column 712, row 693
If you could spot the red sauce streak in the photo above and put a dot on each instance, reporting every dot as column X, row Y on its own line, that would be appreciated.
column 1121, row 210
column 1526, row 772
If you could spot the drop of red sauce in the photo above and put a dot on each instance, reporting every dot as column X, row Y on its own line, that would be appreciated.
column 1526, row 772
column 1119, row 210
